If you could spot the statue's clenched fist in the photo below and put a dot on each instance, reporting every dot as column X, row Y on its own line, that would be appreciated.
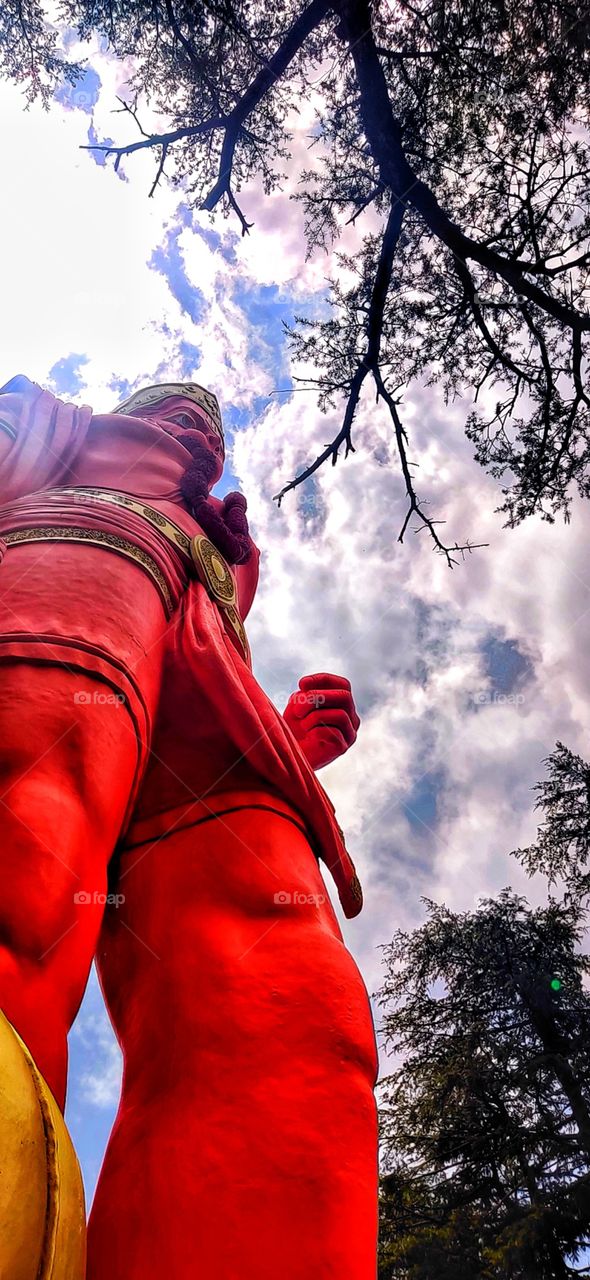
column 322, row 716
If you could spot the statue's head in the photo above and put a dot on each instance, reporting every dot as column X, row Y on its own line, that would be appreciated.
column 188, row 412
column 191, row 414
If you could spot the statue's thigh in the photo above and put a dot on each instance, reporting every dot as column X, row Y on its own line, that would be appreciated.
column 80, row 632
column 66, row 771
column 80, row 659
column 234, row 917
column 246, row 1140
column 67, row 764
column 67, row 761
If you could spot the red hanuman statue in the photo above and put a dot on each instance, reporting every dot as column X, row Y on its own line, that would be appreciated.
column 141, row 760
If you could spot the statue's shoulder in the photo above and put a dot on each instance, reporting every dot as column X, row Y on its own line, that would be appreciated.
column 18, row 385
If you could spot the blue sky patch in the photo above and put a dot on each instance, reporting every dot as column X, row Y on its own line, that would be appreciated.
column 235, row 417
column 168, row 260
column 506, row 667
column 190, row 359
column 81, row 96
column 91, row 1046
column 264, row 308
column 121, row 388
column 99, row 157
column 420, row 805
column 66, row 378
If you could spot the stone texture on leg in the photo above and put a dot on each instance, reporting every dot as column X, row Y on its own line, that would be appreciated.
column 80, row 661
column 66, row 773
column 245, row 1145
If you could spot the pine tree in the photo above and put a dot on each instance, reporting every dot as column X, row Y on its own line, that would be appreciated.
column 486, row 1121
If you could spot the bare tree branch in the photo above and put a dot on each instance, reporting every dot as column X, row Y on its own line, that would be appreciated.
column 384, row 134
column 433, row 117
column 369, row 361
column 370, row 364
column 233, row 123
column 261, row 85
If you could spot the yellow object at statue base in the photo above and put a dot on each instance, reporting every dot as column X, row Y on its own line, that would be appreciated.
column 42, row 1217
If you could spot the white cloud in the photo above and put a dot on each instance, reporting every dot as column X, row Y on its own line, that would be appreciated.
column 100, row 1084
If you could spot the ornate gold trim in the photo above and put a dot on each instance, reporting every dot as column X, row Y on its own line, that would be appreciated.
column 98, row 538
column 213, row 570
column 165, row 526
column 217, row 578
column 236, row 622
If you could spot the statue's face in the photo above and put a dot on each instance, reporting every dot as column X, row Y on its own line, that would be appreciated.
column 179, row 417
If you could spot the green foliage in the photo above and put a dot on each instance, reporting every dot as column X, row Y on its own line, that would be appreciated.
column 486, row 1121
column 562, row 847
column 30, row 52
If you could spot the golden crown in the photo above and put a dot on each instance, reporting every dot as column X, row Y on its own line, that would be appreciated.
column 190, row 390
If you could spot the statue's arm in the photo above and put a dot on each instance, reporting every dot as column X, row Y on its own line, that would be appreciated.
column 247, row 581
column 40, row 437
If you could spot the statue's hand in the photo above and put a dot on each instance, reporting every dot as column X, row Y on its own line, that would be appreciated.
column 322, row 716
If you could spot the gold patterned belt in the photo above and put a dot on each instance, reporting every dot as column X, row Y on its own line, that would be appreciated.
column 209, row 564
column 171, row 531
column 212, row 570
column 99, row 538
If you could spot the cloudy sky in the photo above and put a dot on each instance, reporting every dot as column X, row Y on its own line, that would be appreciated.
column 464, row 680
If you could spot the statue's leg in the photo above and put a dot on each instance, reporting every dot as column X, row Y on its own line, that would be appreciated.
column 67, row 761
column 79, row 678
column 246, row 1142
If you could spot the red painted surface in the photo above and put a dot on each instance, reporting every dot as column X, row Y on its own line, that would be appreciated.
column 245, row 1144
column 246, row 1139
